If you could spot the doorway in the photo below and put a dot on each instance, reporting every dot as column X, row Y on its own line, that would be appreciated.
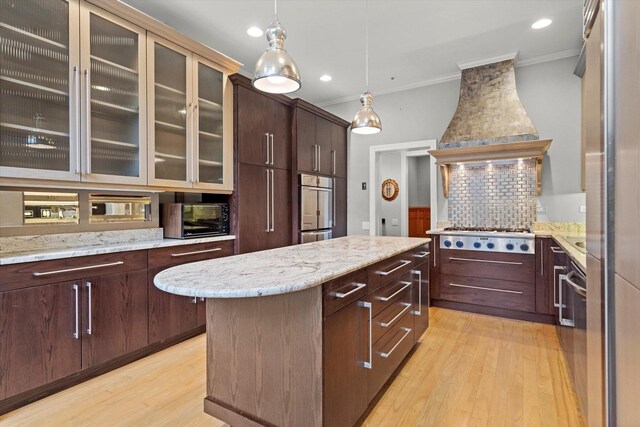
column 402, row 162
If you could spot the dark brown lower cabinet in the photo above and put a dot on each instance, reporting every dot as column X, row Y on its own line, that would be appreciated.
column 39, row 336
column 115, row 316
column 345, row 341
column 169, row 314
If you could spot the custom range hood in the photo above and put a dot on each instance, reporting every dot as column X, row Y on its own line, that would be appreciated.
column 490, row 123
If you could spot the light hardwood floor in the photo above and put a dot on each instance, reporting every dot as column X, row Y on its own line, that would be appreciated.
column 468, row 370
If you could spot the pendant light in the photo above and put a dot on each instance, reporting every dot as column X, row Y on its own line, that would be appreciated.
column 366, row 121
column 276, row 71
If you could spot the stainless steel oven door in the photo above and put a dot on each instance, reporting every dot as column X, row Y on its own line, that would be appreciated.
column 308, row 208
column 325, row 208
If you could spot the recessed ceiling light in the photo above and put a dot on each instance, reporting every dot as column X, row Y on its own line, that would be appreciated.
column 541, row 23
column 326, row 78
column 255, row 32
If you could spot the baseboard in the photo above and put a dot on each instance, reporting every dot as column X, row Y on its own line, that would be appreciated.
column 27, row 397
column 494, row 311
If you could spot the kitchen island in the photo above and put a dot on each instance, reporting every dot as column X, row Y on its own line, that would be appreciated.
column 307, row 334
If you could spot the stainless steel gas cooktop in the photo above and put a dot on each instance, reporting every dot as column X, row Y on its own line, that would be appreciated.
column 484, row 239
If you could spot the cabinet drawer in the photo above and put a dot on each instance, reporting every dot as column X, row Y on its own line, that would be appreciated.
column 28, row 274
column 390, row 316
column 513, row 267
column 175, row 255
column 343, row 290
column 421, row 254
column 388, row 353
column 388, row 269
column 389, row 293
column 489, row 292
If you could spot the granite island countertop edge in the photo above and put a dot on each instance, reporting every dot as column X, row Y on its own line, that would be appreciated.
column 288, row 275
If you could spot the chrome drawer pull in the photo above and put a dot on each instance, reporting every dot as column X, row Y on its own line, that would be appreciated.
column 268, row 161
column 196, row 252
column 386, row 273
column 485, row 261
column 418, row 312
column 421, row 254
column 486, row 289
column 406, row 285
column 407, row 331
column 356, row 289
column 369, row 364
column 557, row 250
column 579, row 289
column 556, row 268
column 69, row 270
column 399, row 315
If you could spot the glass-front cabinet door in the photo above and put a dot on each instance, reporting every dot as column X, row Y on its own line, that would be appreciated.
column 211, row 158
column 39, row 81
column 170, row 109
column 113, row 57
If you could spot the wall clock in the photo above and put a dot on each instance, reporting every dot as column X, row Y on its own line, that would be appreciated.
column 390, row 190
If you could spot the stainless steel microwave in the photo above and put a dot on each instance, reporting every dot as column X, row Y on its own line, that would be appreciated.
column 191, row 220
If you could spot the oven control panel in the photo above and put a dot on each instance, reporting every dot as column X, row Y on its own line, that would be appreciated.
column 508, row 244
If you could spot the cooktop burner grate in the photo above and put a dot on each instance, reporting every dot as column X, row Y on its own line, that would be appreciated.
column 490, row 229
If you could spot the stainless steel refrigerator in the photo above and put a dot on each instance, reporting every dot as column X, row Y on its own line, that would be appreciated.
column 316, row 208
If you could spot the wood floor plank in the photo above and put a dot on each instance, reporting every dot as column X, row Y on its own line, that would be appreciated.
column 469, row 369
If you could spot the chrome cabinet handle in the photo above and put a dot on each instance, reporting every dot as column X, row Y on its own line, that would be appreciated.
column 196, row 127
column 386, row 273
column 89, row 299
column 358, row 286
column 69, row 270
column 273, row 214
column 369, row 364
column 418, row 312
column 266, row 140
column 87, row 83
column 556, row 268
column 407, row 306
column 563, row 321
column 406, row 285
column 333, row 162
column 268, row 200
column 190, row 138
column 579, row 289
column 456, row 285
column 407, row 331
column 316, row 148
column 541, row 260
column 271, row 140
column 76, row 119
column 194, row 300
column 486, row 261
column 435, row 253
column 204, row 251
column 578, row 271
column 334, row 223
column 557, row 250
column 319, row 154
column 76, row 332
column 421, row 254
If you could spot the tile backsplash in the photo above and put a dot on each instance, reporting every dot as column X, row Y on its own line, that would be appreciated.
column 493, row 195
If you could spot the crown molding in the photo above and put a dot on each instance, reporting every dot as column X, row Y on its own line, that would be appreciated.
column 456, row 76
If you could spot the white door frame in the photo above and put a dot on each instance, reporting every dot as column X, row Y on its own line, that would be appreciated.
column 407, row 149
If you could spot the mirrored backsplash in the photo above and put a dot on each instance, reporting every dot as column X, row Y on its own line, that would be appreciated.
column 493, row 194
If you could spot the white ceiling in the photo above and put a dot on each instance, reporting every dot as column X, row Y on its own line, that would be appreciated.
column 411, row 41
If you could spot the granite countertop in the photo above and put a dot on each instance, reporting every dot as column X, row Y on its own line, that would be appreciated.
column 281, row 270
column 59, row 253
column 579, row 258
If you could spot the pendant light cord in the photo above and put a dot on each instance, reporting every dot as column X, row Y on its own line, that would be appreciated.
column 366, row 43
column 275, row 10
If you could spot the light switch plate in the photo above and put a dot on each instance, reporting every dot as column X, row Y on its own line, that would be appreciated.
column 583, row 209
column 365, row 225
column 395, row 221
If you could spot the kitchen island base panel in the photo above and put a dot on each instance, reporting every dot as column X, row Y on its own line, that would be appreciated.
column 264, row 359
column 495, row 311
